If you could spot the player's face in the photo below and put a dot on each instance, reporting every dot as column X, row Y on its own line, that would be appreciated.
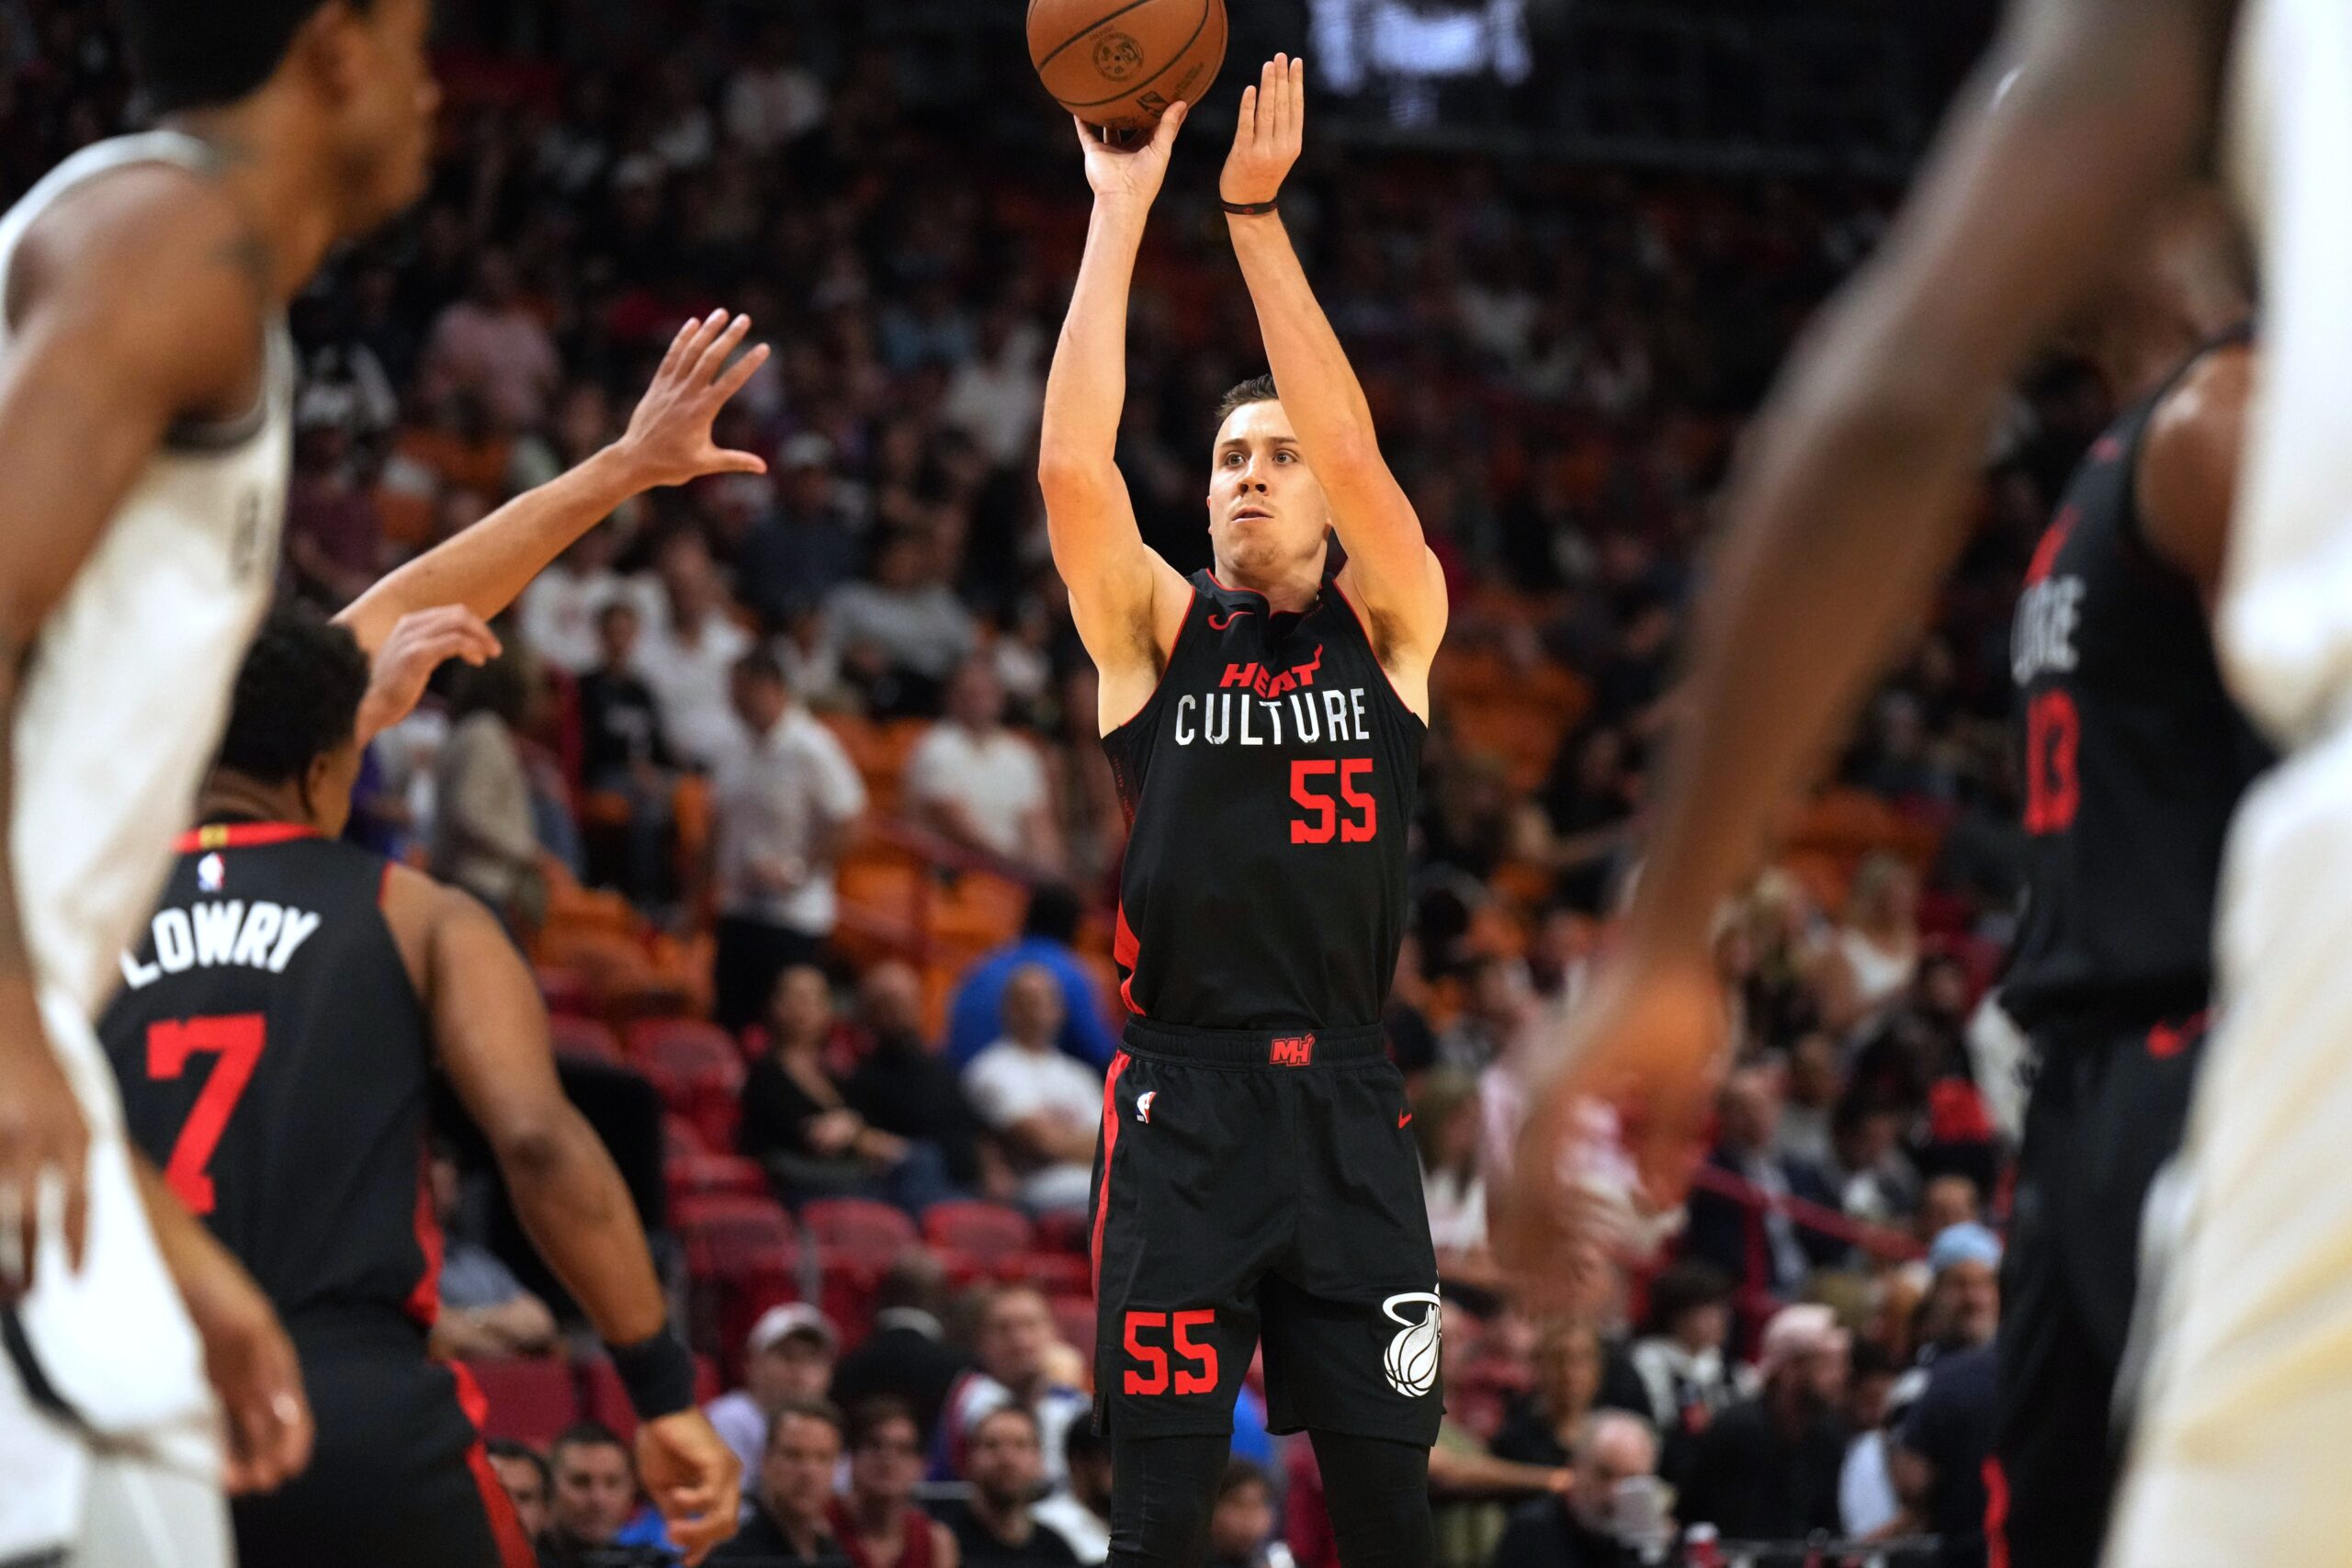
column 1268, row 514
column 386, row 102
column 796, row 1472
column 594, row 1493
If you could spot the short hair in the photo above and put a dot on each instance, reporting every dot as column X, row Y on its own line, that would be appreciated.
column 823, row 1411
column 1257, row 389
column 297, row 696
column 510, row 1448
column 617, row 607
column 186, row 54
column 1053, row 914
column 1083, row 1445
column 584, row 1435
column 915, row 1280
column 1036, row 1430
column 1240, row 1472
column 761, row 665
column 1681, row 1289
column 871, row 1414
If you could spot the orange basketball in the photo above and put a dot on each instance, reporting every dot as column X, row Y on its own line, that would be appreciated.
column 1119, row 63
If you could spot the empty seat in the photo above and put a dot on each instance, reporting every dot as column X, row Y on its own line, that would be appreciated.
column 529, row 1400
column 989, row 1233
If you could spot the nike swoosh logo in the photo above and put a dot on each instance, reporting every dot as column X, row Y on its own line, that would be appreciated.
column 1403, row 1117
column 1217, row 626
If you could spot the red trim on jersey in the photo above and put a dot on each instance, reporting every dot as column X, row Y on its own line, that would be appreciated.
column 1124, row 950
column 424, row 1303
column 2045, row 554
column 1110, row 1147
column 505, row 1527
column 1182, row 628
column 1996, row 1514
column 1370, row 647
column 239, row 836
column 2166, row 1040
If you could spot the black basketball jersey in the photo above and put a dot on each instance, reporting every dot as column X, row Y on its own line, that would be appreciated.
column 275, row 1059
column 2134, row 757
column 1269, row 784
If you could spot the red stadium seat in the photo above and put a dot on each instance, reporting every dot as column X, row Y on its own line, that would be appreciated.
column 1055, row 1273
column 583, row 1037
column 992, row 1235
column 680, row 1136
column 697, row 1069
column 530, row 1400
column 859, row 1231
column 692, row 1176
column 1063, row 1232
column 743, row 1256
column 1074, row 1321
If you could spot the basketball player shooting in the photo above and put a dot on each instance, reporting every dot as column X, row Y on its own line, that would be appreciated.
column 1255, row 1182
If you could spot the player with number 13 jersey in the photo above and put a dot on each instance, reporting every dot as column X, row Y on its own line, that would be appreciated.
column 1255, row 1177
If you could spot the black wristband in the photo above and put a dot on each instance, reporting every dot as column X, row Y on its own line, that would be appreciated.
column 1246, row 208
column 658, row 1373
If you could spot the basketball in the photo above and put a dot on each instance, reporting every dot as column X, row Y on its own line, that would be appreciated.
column 1119, row 63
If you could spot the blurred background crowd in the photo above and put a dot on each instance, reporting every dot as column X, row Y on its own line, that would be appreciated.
column 789, row 782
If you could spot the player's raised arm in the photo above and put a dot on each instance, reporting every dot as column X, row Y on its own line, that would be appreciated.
column 668, row 441
column 134, row 304
column 1389, row 568
column 490, row 1030
column 1849, row 500
column 1126, row 601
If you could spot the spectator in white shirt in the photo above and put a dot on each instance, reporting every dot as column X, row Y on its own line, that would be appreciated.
column 904, row 633
column 784, row 799
column 1044, row 1108
column 773, row 99
column 977, row 783
column 558, row 611
column 788, row 1356
column 688, row 650
column 995, row 395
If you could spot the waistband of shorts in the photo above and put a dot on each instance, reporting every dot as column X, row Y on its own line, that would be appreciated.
column 1259, row 1047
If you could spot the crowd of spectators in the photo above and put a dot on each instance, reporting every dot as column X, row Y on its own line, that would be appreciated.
column 1560, row 359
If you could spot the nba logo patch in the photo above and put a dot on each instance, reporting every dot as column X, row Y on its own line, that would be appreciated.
column 1143, row 1105
column 211, row 873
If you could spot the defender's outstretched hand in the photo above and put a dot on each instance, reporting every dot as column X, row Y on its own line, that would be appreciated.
column 1272, row 129
column 1115, row 171
column 1649, row 1043
column 668, row 441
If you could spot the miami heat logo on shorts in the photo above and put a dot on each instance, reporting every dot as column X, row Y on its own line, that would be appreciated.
column 1411, row 1360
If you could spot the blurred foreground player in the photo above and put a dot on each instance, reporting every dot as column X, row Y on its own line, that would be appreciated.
column 146, row 386
column 276, row 1041
column 1845, row 510
column 1255, row 1179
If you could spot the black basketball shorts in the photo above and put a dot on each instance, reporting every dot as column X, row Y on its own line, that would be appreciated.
column 1261, row 1187
column 398, row 1478
column 2110, row 1106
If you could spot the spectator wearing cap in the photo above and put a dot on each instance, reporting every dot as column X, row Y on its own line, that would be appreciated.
column 978, row 785
column 1044, row 1110
column 1016, row 1337
column 1680, row 1358
column 784, row 1519
column 1764, row 1248
column 784, row 798
column 788, row 1356
column 907, row 1356
column 1614, row 1509
column 594, row 1495
column 1047, row 930
column 808, row 543
column 1963, row 1305
column 998, row 1523
column 1768, row 1468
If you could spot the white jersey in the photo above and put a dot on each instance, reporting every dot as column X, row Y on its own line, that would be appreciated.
column 2286, row 613
column 125, row 688
column 128, row 683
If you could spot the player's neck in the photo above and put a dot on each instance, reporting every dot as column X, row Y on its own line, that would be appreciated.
column 285, row 198
column 1293, row 594
column 227, row 796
